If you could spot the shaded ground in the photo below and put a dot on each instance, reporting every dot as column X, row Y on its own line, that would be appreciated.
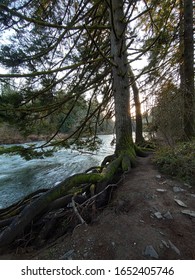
column 142, row 221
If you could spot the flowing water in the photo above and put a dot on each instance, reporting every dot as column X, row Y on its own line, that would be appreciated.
column 19, row 177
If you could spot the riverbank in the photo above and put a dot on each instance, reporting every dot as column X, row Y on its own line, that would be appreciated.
column 14, row 137
column 20, row 177
column 148, row 218
column 11, row 135
column 18, row 139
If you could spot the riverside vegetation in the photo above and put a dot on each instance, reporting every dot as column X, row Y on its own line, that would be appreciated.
column 178, row 161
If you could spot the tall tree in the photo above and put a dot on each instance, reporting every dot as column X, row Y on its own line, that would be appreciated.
column 189, row 94
column 89, row 63
column 124, row 141
column 170, row 32
column 80, row 77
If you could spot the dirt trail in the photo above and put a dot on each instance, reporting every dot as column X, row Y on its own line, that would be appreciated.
column 142, row 221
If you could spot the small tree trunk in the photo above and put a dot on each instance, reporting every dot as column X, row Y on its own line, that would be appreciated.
column 139, row 139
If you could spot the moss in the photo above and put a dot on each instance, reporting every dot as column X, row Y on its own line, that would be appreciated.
column 125, row 160
column 126, row 163
column 140, row 151
column 125, row 143
column 127, row 150
column 112, row 168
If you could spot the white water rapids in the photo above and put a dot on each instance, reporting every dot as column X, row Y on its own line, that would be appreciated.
column 19, row 177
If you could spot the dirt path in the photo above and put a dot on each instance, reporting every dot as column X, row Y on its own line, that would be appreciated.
column 142, row 221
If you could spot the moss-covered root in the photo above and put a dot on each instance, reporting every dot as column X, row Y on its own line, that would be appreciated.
column 111, row 169
column 140, row 152
column 108, row 160
column 41, row 204
column 38, row 206
column 126, row 163
column 129, row 157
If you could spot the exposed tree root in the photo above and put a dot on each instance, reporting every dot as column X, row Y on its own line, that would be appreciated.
column 48, row 214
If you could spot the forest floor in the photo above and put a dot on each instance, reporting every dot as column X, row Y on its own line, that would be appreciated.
column 143, row 220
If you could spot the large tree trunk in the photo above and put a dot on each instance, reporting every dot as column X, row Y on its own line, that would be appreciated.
column 188, row 70
column 181, row 45
column 124, row 141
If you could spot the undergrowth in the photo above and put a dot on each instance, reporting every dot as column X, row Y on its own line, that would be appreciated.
column 178, row 161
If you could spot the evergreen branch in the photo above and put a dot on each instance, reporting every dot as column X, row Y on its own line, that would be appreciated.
column 99, row 50
column 47, row 24
column 40, row 73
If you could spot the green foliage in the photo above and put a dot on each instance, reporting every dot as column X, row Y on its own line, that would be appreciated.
column 26, row 153
column 90, row 144
column 178, row 161
column 167, row 115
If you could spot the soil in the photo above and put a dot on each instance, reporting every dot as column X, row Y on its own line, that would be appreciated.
column 142, row 221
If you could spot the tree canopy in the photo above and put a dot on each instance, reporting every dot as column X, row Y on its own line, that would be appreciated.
column 60, row 52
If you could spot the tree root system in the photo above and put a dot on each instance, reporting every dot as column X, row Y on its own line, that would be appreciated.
column 47, row 214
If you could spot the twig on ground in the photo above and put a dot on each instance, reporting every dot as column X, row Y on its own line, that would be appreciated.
column 77, row 212
column 91, row 199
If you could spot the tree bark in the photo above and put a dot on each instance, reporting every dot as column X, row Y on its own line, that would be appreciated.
column 139, row 139
column 188, row 70
column 181, row 45
column 124, row 141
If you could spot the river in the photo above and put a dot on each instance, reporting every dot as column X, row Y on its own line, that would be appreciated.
column 19, row 177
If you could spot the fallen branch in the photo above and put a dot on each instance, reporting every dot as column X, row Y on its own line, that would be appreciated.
column 77, row 212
